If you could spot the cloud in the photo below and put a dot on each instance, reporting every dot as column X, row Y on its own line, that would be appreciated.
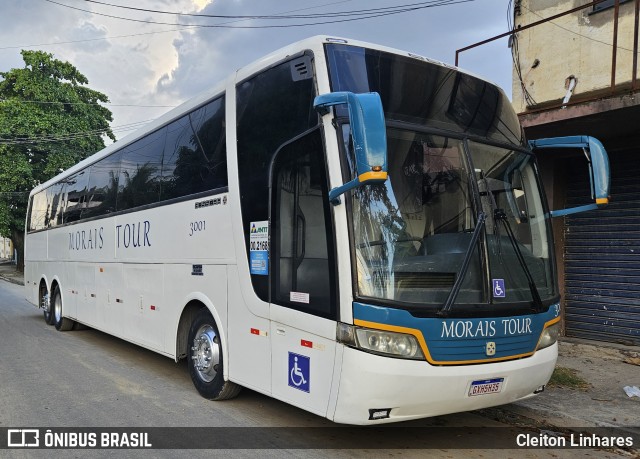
column 205, row 56
column 143, row 64
column 90, row 37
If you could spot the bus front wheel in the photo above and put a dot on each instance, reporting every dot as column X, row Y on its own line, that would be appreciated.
column 61, row 323
column 204, row 357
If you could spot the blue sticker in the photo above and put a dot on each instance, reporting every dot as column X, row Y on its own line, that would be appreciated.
column 259, row 263
column 498, row 288
column 259, row 248
column 299, row 369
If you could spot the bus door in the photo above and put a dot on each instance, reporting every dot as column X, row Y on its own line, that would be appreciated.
column 303, row 297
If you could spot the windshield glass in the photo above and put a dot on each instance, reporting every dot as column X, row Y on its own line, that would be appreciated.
column 411, row 233
column 511, row 199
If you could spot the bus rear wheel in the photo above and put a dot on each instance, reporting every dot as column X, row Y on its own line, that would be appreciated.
column 61, row 323
column 204, row 357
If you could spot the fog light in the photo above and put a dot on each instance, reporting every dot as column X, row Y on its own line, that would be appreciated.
column 379, row 413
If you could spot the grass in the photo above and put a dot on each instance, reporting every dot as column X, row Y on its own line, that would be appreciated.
column 568, row 378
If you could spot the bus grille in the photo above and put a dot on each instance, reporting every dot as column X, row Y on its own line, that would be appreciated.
column 424, row 280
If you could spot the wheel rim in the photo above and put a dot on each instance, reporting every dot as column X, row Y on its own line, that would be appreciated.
column 45, row 304
column 206, row 353
column 57, row 307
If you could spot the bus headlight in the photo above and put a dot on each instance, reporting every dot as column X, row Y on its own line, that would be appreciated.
column 381, row 342
column 549, row 336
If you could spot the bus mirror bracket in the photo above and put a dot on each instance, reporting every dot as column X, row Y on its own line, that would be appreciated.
column 368, row 133
column 599, row 173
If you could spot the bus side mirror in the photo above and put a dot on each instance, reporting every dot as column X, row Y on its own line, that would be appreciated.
column 598, row 160
column 369, row 135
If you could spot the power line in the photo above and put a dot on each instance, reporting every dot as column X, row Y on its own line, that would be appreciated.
column 43, row 102
column 38, row 45
column 179, row 29
column 72, row 135
column 370, row 15
column 275, row 16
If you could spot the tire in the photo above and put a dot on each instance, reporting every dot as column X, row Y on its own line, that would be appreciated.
column 61, row 323
column 204, row 357
column 45, row 304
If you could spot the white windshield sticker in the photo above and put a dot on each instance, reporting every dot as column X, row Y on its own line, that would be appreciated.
column 299, row 297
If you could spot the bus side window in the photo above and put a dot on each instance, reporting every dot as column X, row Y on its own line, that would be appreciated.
column 303, row 275
column 38, row 211
column 272, row 108
column 140, row 168
column 103, row 186
column 195, row 155
column 55, row 200
column 75, row 191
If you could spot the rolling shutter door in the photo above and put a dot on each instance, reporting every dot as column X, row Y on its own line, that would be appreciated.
column 602, row 257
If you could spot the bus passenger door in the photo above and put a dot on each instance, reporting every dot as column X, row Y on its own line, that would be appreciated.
column 303, row 306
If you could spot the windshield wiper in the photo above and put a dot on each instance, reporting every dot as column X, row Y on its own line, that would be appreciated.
column 446, row 307
column 499, row 215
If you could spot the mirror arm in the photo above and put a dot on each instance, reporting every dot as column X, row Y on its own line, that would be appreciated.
column 599, row 164
column 368, row 131
column 573, row 210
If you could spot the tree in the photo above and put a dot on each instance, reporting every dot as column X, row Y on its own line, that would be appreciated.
column 49, row 121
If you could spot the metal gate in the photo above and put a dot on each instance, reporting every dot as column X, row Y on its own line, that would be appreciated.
column 602, row 257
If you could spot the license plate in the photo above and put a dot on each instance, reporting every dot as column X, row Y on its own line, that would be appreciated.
column 486, row 386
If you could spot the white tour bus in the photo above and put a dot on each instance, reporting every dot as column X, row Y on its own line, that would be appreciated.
column 357, row 231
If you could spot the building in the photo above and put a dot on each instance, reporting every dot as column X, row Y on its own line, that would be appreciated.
column 577, row 74
column 6, row 248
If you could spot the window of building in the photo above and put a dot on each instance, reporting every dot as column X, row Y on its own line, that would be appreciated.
column 606, row 5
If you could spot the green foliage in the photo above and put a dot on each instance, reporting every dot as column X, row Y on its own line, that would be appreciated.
column 46, row 113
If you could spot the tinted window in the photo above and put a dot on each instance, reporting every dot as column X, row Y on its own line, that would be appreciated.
column 180, row 142
column 140, row 169
column 75, row 193
column 186, row 157
column 606, row 4
column 55, row 204
column 38, row 211
column 425, row 93
column 195, row 157
column 103, row 186
column 302, row 253
column 273, row 107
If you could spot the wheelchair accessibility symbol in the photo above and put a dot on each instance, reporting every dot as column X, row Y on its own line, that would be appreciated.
column 498, row 288
column 299, row 366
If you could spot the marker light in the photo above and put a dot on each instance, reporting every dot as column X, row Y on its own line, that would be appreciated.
column 549, row 336
column 380, row 342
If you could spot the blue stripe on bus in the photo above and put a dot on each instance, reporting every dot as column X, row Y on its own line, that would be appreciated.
column 465, row 339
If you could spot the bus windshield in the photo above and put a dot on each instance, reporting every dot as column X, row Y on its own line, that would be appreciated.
column 411, row 233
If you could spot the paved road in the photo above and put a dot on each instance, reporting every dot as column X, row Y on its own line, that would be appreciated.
column 89, row 379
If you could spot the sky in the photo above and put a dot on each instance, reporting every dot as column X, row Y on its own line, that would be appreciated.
column 147, row 68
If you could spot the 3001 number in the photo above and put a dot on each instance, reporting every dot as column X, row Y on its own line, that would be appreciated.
column 197, row 227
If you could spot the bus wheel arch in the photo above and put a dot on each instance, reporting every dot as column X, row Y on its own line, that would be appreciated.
column 59, row 321
column 182, row 335
column 205, row 356
column 44, row 301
